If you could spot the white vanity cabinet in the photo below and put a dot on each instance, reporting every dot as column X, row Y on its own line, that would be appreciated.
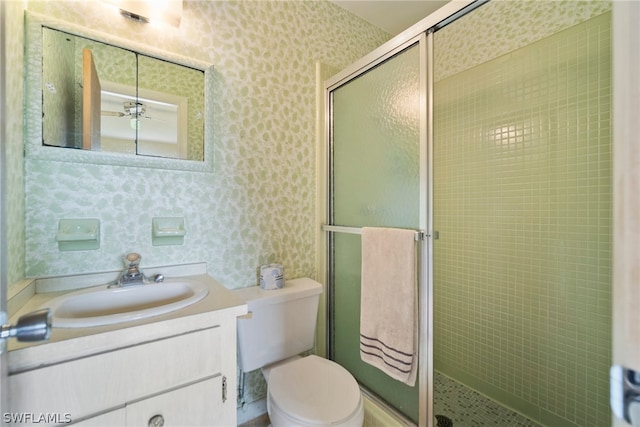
column 114, row 418
column 174, row 372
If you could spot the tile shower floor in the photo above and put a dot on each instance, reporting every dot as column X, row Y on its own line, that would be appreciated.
column 458, row 406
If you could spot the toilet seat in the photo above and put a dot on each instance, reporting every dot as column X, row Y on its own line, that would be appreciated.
column 314, row 391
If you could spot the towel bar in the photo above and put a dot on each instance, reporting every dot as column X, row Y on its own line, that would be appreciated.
column 420, row 234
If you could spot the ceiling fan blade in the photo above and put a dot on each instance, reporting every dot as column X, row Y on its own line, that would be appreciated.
column 112, row 113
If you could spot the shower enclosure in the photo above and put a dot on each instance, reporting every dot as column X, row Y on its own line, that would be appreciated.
column 495, row 140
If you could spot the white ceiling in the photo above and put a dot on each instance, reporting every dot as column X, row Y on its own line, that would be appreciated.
column 393, row 16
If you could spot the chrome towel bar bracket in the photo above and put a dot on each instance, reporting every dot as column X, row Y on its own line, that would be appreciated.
column 420, row 234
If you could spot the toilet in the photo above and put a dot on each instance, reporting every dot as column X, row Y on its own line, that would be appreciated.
column 301, row 391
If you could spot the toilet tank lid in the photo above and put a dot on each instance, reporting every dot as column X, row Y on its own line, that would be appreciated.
column 294, row 289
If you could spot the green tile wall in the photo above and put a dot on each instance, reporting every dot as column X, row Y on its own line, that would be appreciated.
column 522, row 198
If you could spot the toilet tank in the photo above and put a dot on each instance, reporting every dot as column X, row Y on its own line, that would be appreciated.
column 282, row 324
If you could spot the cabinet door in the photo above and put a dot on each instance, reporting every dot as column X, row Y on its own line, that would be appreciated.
column 122, row 376
column 109, row 419
column 199, row 404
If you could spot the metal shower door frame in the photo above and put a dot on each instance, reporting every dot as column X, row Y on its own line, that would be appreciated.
column 422, row 40
column 421, row 34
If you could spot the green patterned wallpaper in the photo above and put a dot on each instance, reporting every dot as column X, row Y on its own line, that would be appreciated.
column 15, row 213
column 259, row 204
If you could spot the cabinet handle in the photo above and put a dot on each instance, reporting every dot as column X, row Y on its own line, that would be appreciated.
column 156, row 421
column 224, row 389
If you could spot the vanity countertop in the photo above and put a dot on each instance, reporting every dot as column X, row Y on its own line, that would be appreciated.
column 73, row 343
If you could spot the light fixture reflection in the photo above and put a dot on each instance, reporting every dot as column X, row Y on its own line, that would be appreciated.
column 135, row 124
column 165, row 11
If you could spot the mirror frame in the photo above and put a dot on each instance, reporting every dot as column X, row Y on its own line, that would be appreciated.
column 34, row 147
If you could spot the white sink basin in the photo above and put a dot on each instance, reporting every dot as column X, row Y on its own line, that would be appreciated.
column 105, row 306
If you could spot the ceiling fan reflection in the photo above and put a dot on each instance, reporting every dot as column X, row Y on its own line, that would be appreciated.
column 134, row 110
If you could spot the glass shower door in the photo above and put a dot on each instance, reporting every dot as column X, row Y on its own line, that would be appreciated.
column 374, row 182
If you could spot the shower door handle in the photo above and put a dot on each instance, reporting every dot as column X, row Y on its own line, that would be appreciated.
column 625, row 394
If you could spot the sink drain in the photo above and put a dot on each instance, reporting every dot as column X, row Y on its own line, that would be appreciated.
column 443, row 421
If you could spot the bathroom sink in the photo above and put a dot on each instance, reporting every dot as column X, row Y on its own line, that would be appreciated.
column 99, row 306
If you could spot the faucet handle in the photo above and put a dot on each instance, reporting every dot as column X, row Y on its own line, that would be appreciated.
column 132, row 260
column 158, row 278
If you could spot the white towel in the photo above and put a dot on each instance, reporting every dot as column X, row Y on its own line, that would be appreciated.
column 388, row 312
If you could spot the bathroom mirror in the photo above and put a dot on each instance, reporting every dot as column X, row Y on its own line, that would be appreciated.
column 107, row 100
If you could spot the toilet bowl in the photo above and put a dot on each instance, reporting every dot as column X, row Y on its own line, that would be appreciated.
column 312, row 391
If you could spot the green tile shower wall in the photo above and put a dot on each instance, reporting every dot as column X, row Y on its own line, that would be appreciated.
column 522, row 198
column 259, row 204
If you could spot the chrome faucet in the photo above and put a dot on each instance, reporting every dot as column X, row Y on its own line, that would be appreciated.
column 132, row 274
